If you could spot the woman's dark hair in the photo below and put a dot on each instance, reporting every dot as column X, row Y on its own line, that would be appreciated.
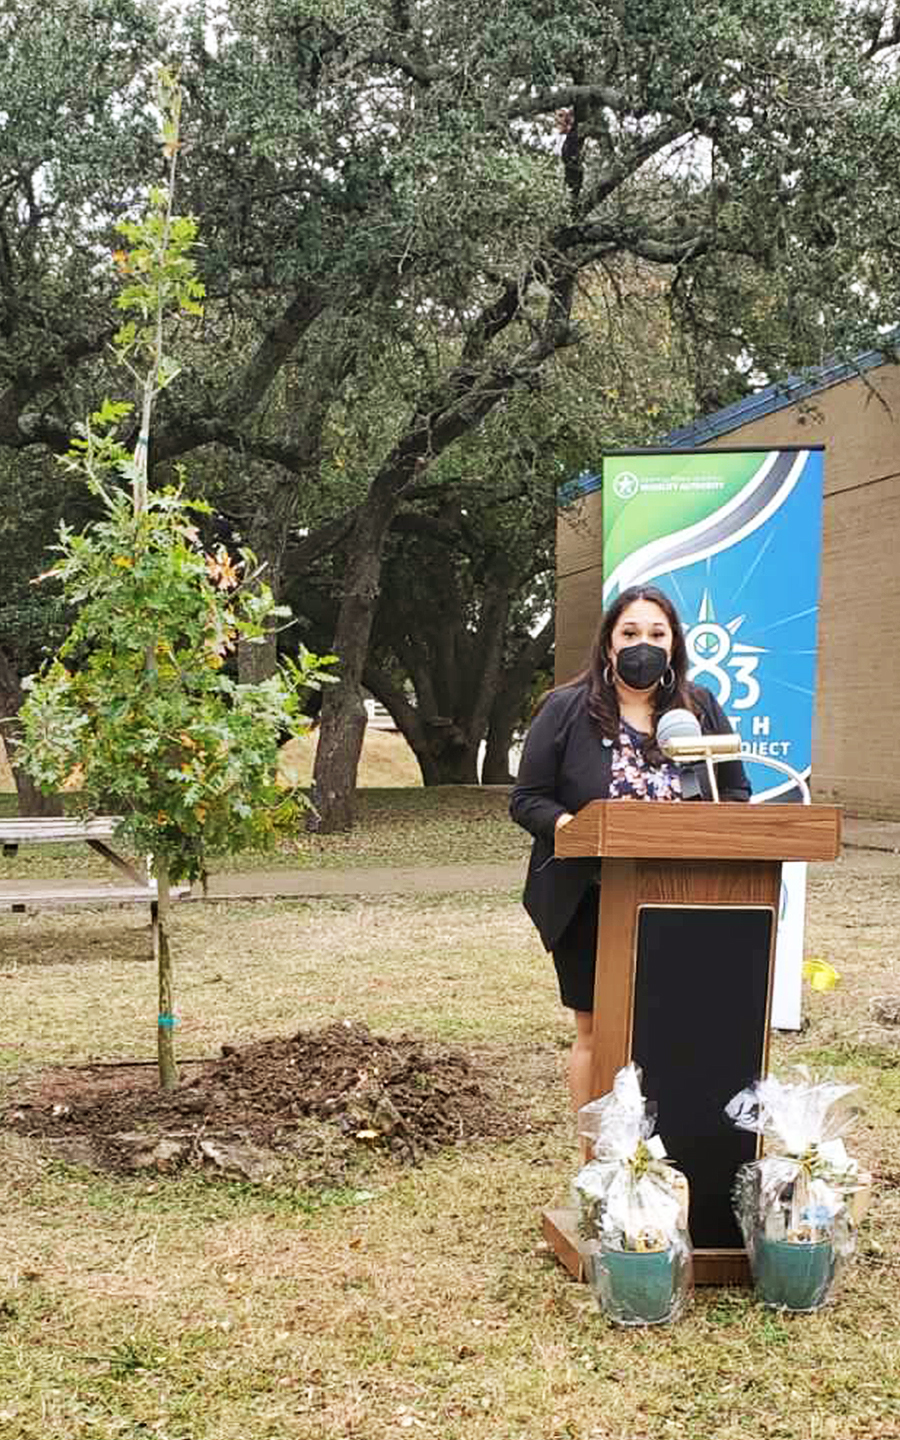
column 603, row 702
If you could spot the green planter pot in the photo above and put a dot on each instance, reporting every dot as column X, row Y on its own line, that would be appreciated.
column 793, row 1276
column 639, row 1286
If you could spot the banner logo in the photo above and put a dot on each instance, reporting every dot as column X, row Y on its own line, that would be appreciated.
column 626, row 485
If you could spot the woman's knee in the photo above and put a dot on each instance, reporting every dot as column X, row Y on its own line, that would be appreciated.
column 584, row 1027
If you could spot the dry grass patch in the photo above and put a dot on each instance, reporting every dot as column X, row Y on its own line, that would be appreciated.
column 447, row 966
column 423, row 1304
column 853, row 921
column 386, row 760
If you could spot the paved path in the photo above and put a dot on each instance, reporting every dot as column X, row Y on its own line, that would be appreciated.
column 302, row 883
column 447, row 879
column 365, row 880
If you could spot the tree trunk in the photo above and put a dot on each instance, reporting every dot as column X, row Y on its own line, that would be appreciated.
column 509, row 701
column 460, row 403
column 31, row 800
column 453, row 668
column 447, row 758
column 447, row 755
column 165, row 1020
column 343, row 720
column 495, row 766
column 454, row 769
column 268, row 538
column 506, row 714
column 341, row 731
column 257, row 661
column 479, row 694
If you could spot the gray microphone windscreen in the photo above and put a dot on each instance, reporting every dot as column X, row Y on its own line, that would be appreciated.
column 677, row 725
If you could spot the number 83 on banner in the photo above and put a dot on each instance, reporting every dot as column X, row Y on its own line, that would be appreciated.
column 725, row 668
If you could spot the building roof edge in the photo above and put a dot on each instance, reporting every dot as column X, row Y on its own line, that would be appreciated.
column 775, row 397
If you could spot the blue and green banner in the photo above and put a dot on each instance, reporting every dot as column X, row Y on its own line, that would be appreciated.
column 733, row 537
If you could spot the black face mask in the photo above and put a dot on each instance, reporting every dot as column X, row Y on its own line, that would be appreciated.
column 641, row 666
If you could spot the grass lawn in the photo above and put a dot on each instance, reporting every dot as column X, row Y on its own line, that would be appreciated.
column 403, row 1301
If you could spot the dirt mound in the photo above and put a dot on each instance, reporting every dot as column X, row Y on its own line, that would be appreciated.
column 253, row 1108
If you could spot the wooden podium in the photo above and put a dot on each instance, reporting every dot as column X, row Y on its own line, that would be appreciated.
column 683, row 987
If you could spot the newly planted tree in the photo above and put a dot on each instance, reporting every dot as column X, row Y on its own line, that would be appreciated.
column 140, row 698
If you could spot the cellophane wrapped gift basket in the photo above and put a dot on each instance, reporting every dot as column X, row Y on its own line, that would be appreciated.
column 797, row 1206
column 632, row 1207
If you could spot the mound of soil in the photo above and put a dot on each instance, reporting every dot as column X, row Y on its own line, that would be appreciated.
column 253, row 1108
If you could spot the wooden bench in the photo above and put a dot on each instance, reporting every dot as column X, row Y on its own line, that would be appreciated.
column 38, row 894
column 38, row 830
column 19, row 895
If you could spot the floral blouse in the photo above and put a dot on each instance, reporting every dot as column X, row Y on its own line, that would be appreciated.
column 633, row 778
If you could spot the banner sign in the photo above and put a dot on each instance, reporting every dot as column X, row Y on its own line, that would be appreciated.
column 733, row 537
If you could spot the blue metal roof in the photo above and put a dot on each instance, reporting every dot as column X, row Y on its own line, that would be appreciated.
column 774, row 397
column 571, row 490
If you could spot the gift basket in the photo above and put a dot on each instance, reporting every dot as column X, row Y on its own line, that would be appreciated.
column 797, row 1206
column 632, row 1211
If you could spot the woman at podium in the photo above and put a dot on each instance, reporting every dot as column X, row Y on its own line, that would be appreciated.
column 595, row 739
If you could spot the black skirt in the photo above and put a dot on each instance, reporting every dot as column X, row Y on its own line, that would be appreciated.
column 575, row 953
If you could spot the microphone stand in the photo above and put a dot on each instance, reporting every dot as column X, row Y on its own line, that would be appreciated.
column 711, row 774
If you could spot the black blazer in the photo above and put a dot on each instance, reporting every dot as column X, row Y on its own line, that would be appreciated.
column 565, row 763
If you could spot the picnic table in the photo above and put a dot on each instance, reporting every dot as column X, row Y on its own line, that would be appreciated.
column 19, row 895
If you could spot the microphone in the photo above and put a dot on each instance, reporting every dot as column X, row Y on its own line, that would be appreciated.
column 681, row 739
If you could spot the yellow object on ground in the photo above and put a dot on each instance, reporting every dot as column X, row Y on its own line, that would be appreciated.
column 820, row 974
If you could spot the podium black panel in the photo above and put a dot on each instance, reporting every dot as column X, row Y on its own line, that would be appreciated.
column 701, row 1001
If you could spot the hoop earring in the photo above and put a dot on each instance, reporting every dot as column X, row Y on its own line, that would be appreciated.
column 607, row 674
column 668, row 684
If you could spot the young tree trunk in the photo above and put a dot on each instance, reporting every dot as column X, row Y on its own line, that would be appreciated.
column 165, row 1023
